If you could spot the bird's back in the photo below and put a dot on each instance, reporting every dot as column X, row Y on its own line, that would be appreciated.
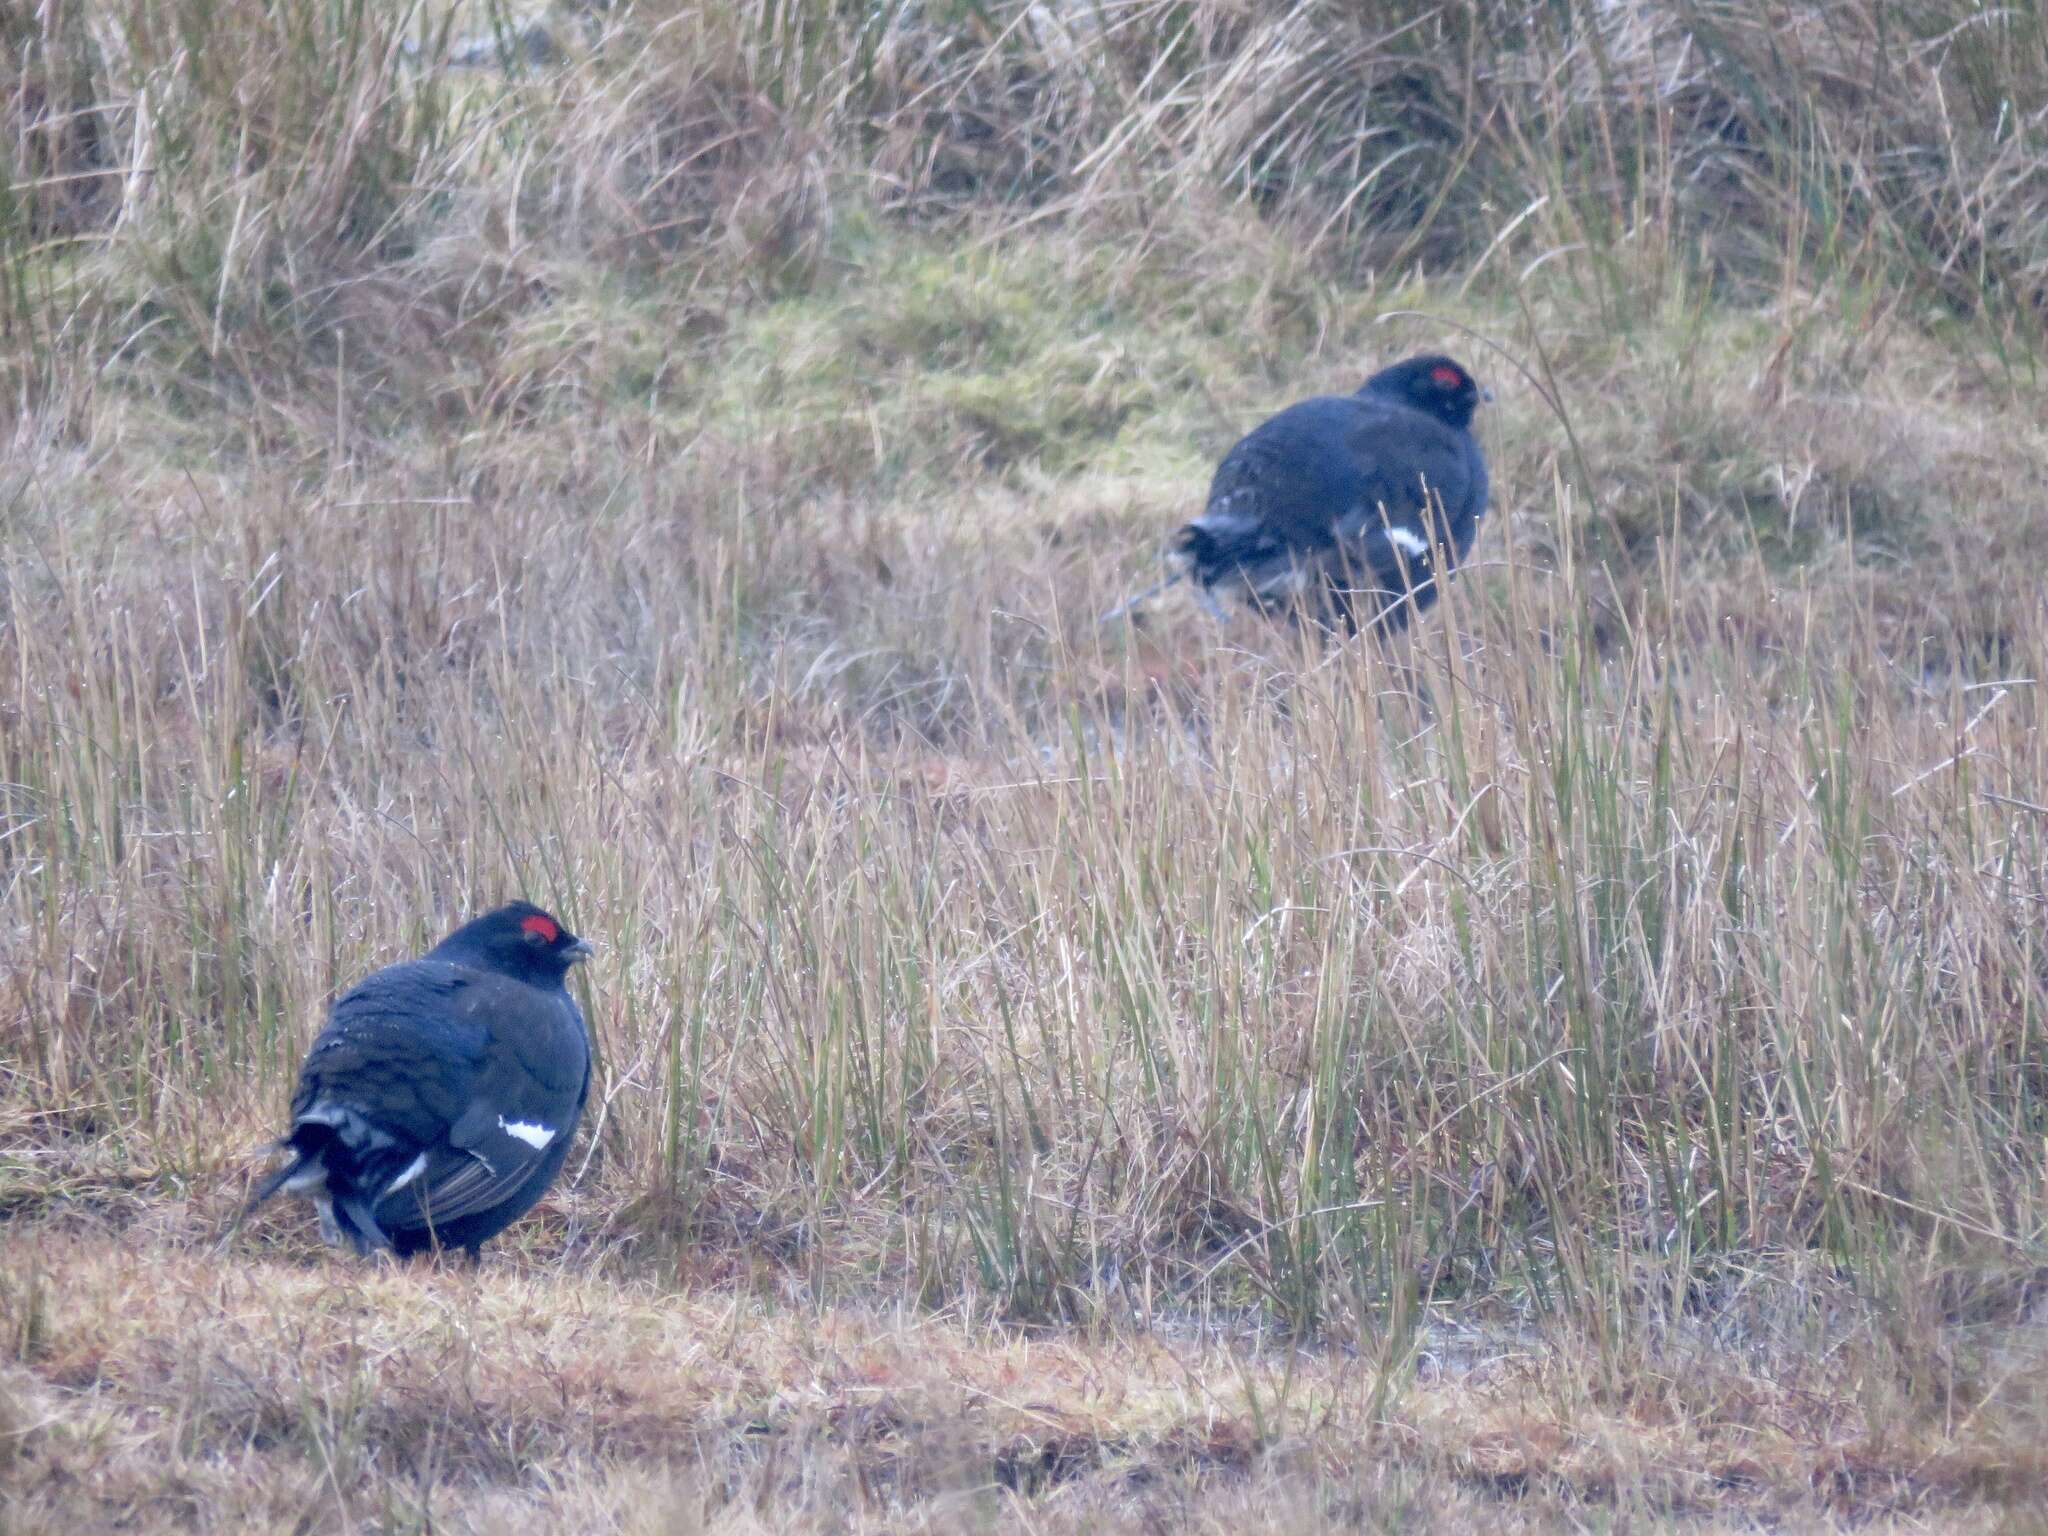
column 402, row 1046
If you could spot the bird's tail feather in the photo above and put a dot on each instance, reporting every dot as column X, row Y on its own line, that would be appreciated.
column 275, row 1182
column 1136, row 598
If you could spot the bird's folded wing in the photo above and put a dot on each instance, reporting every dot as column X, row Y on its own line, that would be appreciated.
column 1410, row 485
column 1393, row 554
column 453, row 1185
column 523, row 1094
column 521, row 1108
column 487, row 1158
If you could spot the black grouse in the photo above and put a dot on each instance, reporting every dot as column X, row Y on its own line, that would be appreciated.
column 1351, row 509
column 437, row 1105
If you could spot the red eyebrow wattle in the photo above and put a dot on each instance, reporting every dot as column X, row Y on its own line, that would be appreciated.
column 1446, row 376
column 540, row 925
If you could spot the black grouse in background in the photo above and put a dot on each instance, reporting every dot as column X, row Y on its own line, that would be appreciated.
column 1351, row 509
column 438, row 1104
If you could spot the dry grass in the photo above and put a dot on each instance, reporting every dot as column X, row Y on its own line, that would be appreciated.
column 262, row 1396
column 1052, row 1077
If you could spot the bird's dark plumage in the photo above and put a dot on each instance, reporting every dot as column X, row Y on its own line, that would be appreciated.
column 439, row 1102
column 1351, row 508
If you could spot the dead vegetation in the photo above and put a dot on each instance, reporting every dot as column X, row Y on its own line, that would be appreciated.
column 260, row 1396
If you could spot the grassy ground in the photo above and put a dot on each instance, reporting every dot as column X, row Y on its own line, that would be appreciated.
column 1582, row 1067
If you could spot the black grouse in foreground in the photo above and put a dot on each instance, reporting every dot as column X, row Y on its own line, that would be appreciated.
column 438, row 1104
column 1351, row 509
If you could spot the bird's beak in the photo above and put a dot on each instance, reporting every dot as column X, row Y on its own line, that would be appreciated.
column 580, row 950
column 1486, row 394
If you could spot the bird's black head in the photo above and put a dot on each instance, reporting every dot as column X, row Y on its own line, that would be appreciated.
column 1433, row 383
column 517, row 940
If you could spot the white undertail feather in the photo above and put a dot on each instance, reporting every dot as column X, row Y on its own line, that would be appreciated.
column 412, row 1171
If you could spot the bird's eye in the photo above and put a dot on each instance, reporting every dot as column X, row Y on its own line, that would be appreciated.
column 1447, row 377
column 540, row 930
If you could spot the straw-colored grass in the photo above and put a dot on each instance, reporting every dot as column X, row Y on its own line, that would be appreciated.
column 1580, row 1066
